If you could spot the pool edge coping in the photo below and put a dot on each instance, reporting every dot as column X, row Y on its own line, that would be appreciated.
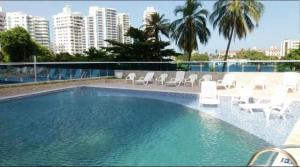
column 11, row 97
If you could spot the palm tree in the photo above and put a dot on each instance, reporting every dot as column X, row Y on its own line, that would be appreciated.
column 156, row 25
column 191, row 27
column 235, row 18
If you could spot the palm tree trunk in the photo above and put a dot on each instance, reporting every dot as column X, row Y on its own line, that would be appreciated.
column 189, row 58
column 227, row 50
column 156, row 36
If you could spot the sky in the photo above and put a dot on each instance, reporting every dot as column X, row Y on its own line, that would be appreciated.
column 281, row 19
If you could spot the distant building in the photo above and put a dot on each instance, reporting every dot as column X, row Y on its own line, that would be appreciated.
column 68, row 31
column 254, row 48
column 123, row 26
column 288, row 45
column 231, row 53
column 273, row 51
column 147, row 14
column 100, row 25
column 38, row 27
column 2, row 19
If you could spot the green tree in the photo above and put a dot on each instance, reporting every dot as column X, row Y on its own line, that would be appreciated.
column 157, row 25
column 142, row 48
column 17, row 44
column 235, row 19
column 136, row 34
column 252, row 55
column 195, row 57
column 43, row 54
column 94, row 54
column 3, row 57
column 191, row 27
column 139, row 51
column 200, row 57
column 63, row 57
column 292, row 55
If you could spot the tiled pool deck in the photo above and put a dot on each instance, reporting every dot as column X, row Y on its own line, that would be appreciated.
column 275, row 132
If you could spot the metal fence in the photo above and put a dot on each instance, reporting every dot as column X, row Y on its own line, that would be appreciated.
column 14, row 73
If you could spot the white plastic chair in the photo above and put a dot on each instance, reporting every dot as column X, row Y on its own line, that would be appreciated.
column 161, row 79
column 279, row 110
column 191, row 79
column 290, row 80
column 206, row 77
column 227, row 82
column 276, row 99
column 259, row 81
column 130, row 77
column 178, row 80
column 209, row 93
column 244, row 95
column 145, row 80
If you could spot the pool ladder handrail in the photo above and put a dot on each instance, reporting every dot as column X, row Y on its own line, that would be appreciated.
column 274, row 149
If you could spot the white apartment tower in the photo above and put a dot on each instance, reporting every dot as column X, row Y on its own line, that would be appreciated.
column 147, row 14
column 123, row 26
column 288, row 45
column 40, row 30
column 38, row 27
column 89, row 37
column 100, row 25
column 2, row 19
column 68, row 31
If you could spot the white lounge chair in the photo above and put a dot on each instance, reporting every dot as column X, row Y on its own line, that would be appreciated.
column 259, row 81
column 206, row 77
column 130, row 77
column 209, row 93
column 161, row 79
column 279, row 110
column 276, row 99
column 178, row 80
column 290, row 80
column 227, row 82
column 244, row 95
column 191, row 79
column 145, row 80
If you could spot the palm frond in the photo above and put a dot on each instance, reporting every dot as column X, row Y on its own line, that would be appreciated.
column 191, row 28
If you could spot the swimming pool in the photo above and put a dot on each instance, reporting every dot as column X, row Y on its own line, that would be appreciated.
column 91, row 126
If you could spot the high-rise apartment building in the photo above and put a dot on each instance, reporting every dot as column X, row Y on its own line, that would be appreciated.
column 17, row 19
column 123, row 26
column 89, row 37
column 147, row 14
column 68, row 31
column 2, row 19
column 40, row 30
column 288, row 45
column 100, row 25
column 38, row 27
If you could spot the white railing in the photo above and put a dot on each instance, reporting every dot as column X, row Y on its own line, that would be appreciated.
column 17, row 72
column 154, row 62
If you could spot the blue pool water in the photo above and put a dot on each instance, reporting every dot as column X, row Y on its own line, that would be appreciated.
column 89, row 126
column 233, row 68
